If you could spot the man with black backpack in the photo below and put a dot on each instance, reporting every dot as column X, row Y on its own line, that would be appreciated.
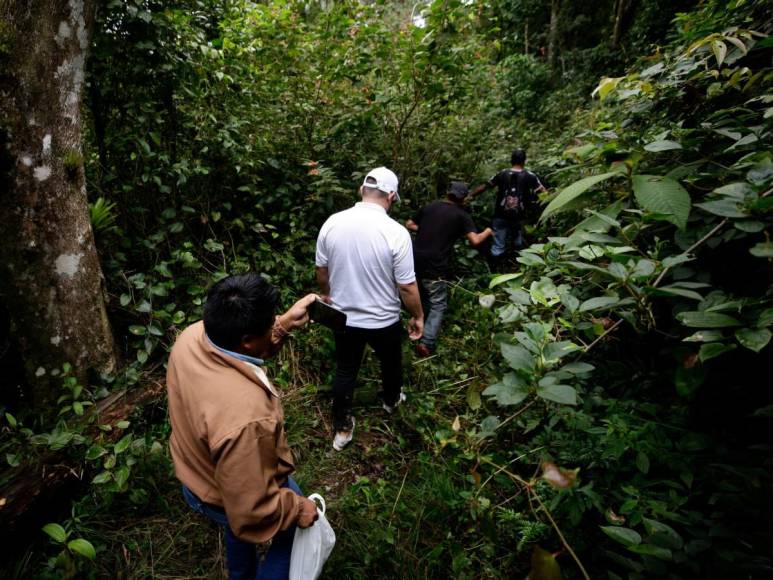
column 516, row 192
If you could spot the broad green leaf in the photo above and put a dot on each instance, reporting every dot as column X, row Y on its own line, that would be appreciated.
column 103, row 477
column 761, row 172
column 83, row 547
column 577, row 368
column 664, row 535
column 766, row 318
column 713, row 349
column 625, row 536
column 122, row 475
column 753, row 338
column 737, row 190
column 529, row 259
column 563, row 394
column 597, row 222
column 473, row 397
column 502, row 278
column 557, row 350
column 573, row 191
column 662, row 145
column 591, row 252
column 762, row 250
column 698, row 319
column 569, row 300
column 643, row 462
column 56, row 532
column 123, row 444
column 517, row 357
column 674, row 291
column 581, row 151
column 618, row 270
column 489, row 424
column 737, row 43
column 719, row 49
column 644, row 269
column 723, row 207
column 672, row 261
column 511, row 391
column 544, row 291
column 650, row 550
column 598, row 303
column 125, row 299
column 704, row 336
column 138, row 330
column 607, row 85
column 95, row 452
column 663, row 196
column 749, row 226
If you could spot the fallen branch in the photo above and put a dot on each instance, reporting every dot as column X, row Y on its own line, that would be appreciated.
column 29, row 489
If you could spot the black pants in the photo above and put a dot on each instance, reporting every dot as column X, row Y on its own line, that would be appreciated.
column 350, row 346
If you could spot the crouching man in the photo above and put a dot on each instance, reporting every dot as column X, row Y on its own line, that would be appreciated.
column 228, row 442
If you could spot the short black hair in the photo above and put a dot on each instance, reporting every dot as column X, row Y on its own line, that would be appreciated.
column 238, row 306
column 518, row 157
column 373, row 191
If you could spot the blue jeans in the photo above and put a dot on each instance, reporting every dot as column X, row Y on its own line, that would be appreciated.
column 242, row 557
column 504, row 229
column 434, row 301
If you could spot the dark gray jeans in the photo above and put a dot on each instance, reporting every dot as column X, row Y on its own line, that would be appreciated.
column 434, row 301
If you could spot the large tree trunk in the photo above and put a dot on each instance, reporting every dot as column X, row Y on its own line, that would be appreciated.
column 555, row 8
column 50, row 277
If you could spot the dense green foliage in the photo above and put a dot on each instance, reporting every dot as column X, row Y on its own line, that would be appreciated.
column 601, row 406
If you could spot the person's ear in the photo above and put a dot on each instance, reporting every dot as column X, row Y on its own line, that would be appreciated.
column 391, row 197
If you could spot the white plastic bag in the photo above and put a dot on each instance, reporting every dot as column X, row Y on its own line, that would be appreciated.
column 312, row 546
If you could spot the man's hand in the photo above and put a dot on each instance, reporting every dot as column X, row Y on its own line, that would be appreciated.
column 415, row 328
column 308, row 513
column 298, row 314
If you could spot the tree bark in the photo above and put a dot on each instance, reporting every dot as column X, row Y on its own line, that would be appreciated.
column 620, row 14
column 50, row 276
column 555, row 8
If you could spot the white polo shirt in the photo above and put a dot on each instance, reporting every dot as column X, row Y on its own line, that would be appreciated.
column 367, row 254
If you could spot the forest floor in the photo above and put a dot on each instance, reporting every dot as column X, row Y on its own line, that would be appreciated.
column 376, row 490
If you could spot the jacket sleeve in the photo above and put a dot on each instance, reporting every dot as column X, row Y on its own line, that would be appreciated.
column 246, row 468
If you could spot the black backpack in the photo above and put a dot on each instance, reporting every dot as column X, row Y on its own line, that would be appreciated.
column 513, row 200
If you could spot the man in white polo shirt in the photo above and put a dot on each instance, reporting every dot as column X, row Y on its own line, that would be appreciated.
column 364, row 266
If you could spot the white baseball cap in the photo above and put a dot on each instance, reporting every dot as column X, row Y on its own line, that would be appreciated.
column 386, row 181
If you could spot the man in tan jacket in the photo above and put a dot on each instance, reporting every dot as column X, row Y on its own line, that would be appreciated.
column 228, row 442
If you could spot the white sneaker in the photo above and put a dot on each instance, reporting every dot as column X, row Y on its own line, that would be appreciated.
column 342, row 438
column 391, row 408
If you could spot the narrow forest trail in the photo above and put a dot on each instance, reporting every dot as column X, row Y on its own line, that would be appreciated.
column 378, row 490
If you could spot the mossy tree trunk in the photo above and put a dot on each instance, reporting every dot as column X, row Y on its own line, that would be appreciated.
column 50, row 276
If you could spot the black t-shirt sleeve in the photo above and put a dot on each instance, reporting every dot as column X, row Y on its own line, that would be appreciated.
column 494, row 181
column 466, row 223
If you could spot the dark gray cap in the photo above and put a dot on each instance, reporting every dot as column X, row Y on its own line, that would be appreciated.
column 458, row 189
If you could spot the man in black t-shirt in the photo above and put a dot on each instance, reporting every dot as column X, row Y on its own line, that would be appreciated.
column 438, row 226
column 516, row 192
